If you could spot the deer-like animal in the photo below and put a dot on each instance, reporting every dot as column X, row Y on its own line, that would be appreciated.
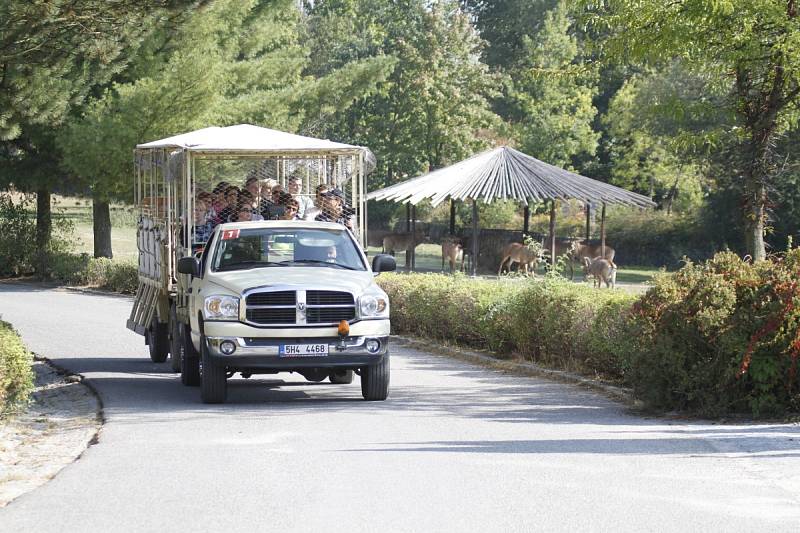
column 580, row 251
column 402, row 242
column 516, row 252
column 453, row 251
column 601, row 270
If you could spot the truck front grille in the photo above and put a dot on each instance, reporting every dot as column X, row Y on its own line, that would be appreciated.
column 323, row 315
column 272, row 298
column 299, row 308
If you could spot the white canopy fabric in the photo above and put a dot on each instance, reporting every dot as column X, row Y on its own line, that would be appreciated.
column 249, row 138
column 506, row 174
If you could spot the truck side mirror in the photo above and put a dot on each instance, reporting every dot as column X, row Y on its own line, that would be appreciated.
column 383, row 263
column 189, row 265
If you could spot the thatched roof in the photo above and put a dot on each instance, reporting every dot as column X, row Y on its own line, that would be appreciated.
column 506, row 174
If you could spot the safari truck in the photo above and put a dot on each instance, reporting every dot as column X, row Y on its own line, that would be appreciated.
column 257, row 297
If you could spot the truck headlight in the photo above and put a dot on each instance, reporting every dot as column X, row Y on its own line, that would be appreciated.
column 221, row 308
column 373, row 306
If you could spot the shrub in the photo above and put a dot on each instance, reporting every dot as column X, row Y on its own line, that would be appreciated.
column 103, row 273
column 720, row 337
column 17, row 237
column 16, row 377
column 19, row 254
column 554, row 322
column 657, row 239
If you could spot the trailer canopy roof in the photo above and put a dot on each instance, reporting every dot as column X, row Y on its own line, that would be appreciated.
column 249, row 138
column 506, row 174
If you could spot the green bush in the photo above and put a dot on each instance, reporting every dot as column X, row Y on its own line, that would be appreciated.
column 19, row 254
column 103, row 273
column 16, row 377
column 657, row 239
column 712, row 338
column 721, row 337
column 17, row 237
column 553, row 321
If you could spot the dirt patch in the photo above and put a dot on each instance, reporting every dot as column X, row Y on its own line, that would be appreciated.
column 63, row 418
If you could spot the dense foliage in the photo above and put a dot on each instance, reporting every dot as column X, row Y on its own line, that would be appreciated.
column 16, row 377
column 714, row 338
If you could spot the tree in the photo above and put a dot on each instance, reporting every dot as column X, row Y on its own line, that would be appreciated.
column 53, row 54
column 236, row 61
column 550, row 94
column 434, row 106
column 751, row 48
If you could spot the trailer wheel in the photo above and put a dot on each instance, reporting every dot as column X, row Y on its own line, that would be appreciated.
column 341, row 377
column 213, row 377
column 175, row 344
column 190, row 359
column 158, row 341
column 375, row 380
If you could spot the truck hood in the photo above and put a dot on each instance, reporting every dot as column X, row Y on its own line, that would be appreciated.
column 294, row 278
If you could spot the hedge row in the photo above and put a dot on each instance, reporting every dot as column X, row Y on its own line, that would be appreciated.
column 80, row 269
column 714, row 338
column 16, row 377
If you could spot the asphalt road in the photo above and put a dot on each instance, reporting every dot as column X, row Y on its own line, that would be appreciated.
column 455, row 448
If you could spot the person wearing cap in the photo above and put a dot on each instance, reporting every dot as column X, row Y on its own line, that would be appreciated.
column 312, row 212
column 333, row 209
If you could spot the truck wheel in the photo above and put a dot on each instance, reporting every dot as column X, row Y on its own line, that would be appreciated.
column 175, row 344
column 341, row 377
column 375, row 380
column 190, row 359
column 158, row 341
column 213, row 378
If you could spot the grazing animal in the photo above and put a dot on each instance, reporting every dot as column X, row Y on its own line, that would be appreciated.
column 581, row 251
column 453, row 250
column 402, row 242
column 601, row 270
column 516, row 252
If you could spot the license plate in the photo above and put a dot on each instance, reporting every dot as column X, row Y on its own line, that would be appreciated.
column 303, row 350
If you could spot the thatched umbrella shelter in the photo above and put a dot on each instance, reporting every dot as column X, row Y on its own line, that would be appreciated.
column 506, row 174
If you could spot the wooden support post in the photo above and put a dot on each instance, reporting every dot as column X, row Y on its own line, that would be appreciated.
column 413, row 250
column 603, row 232
column 553, row 232
column 588, row 209
column 452, row 217
column 527, row 217
column 474, row 237
column 408, row 217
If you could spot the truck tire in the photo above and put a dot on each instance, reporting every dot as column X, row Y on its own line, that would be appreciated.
column 375, row 380
column 175, row 344
column 341, row 377
column 190, row 359
column 158, row 341
column 213, row 378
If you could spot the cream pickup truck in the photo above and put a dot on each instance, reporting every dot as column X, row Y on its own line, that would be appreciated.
column 286, row 296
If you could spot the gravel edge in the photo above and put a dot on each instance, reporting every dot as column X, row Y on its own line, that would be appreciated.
column 64, row 418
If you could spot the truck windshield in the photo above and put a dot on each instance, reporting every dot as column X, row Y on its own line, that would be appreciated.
column 242, row 249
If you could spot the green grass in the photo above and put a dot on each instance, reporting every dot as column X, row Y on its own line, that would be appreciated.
column 429, row 259
column 79, row 212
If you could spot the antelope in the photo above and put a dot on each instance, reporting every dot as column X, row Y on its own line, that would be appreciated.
column 581, row 251
column 601, row 270
column 402, row 242
column 519, row 253
column 453, row 250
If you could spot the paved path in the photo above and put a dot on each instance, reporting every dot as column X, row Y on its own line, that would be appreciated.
column 455, row 448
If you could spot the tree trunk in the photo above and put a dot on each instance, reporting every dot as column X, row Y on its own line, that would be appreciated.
column 101, row 225
column 44, row 224
column 755, row 217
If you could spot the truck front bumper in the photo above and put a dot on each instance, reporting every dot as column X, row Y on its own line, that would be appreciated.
column 264, row 353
